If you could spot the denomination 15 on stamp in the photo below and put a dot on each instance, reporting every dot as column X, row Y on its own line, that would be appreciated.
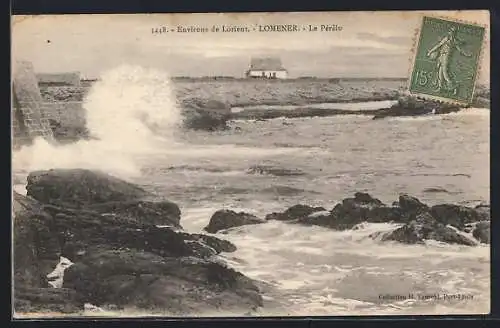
column 446, row 60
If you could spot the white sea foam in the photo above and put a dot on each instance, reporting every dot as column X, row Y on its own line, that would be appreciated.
column 483, row 113
column 319, row 271
column 56, row 277
column 367, row 105
column 130, row 110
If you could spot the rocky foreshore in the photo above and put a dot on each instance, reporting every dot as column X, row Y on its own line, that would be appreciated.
column 418, row 222
column 126, row 248
column 406, row 106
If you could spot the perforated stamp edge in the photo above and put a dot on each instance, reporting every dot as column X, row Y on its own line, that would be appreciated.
column 415, row 42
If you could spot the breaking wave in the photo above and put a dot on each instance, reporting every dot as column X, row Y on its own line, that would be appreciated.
column 129, row 111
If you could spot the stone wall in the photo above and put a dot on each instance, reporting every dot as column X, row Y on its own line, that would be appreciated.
column 28, row 118
column 69, row 113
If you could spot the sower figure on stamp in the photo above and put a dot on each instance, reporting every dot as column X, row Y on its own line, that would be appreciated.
column 443, row 51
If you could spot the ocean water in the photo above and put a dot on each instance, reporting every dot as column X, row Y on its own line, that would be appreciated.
column 302, row 270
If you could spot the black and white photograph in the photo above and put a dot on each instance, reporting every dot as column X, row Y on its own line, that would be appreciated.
column 250, row 165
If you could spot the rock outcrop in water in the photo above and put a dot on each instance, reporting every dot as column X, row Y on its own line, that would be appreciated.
column 274, row 170
column 108, row 229
column 482, row 232
column 208, row 115
column 295, row 212
column 445, row 222
column 412, row 106
column 225, row 219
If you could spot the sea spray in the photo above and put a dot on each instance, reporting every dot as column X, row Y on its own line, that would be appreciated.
column 129, row 110
column 130, row 106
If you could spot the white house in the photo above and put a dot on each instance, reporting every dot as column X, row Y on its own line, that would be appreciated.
column 270, row 68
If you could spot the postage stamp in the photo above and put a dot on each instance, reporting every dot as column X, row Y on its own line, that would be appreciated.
column 446, row 60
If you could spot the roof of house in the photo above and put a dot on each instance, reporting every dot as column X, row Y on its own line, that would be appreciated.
column 266, row 64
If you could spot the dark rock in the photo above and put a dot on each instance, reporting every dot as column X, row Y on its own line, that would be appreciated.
column 367, row 199
column 482, row 232
column 148, row 281
column 96, row 229
column 225, row 219
column 21, row 203
column 411, row 205
column 412, row 106
column 77, row 230
column 27, row 271
column 484, row 211
column 219, row 245
column 35, row 253
column 295, row 212
column 456, row 215
column 273, row 170
column 361, row 208
column 78, row 187
column 33, row 244
column 425, row 227
column 435, row 190
column 209, row 115
column 320, row 218
column 157, row 213
column 31, row 299
column 352, row 211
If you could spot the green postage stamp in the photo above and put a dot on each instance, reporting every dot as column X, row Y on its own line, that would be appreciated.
column 446, row 60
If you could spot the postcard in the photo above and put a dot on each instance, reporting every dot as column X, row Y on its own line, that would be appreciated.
column 251, row 164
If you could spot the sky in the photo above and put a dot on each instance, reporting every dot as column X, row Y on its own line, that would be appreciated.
column 370, row 44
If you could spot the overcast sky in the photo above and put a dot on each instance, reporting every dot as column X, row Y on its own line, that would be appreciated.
column 371, row 44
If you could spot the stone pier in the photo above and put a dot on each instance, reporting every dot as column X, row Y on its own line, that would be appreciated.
column 28, row 119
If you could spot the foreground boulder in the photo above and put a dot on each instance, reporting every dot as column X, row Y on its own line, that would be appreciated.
column 78, row 230
column 146, row 281
column 32, row 299
column 78, row 187
column 36, row 252
column 101, row 193
column 225, row 219
column 127, row 250
column 162, row 212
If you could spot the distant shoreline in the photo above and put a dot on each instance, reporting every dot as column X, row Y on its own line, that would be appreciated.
column 300, row 78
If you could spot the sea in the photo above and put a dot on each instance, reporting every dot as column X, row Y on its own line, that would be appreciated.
column 302, row 271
